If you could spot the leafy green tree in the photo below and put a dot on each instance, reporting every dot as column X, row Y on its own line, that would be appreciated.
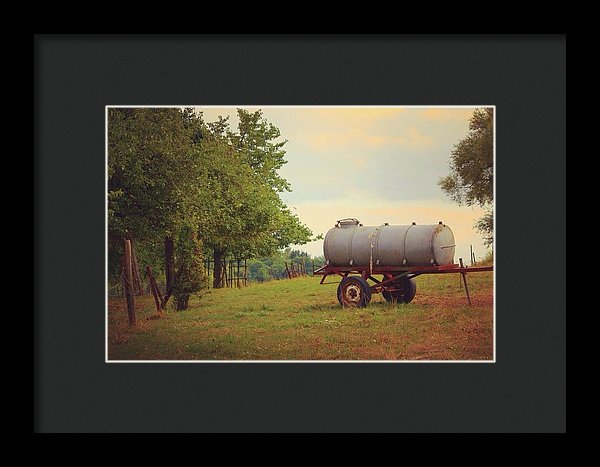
column 256, row 139
column 471, row 178
column 244, row 215
column 153, row 179
column 485, row 225
column 297, row 254
column 273, row 266
column 258, row 271
column 319, row 261
column 170, row 171
column 150, row 173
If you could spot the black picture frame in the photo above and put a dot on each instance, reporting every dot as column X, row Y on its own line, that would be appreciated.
column 75, row 77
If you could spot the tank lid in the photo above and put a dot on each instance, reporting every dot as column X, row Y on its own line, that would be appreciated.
column 347, row 222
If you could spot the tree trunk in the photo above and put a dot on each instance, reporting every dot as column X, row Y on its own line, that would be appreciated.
column 138, row 288
column 218, row 270
column 182, row 303
column 169, row 264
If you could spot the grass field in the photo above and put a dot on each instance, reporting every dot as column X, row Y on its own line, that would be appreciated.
column 299, row 319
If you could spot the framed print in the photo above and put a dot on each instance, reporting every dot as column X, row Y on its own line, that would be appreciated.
column 162, row 170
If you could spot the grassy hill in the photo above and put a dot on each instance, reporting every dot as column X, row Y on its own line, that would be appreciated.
column 299, row 319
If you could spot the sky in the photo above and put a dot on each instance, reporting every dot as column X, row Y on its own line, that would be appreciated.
column 377, row 164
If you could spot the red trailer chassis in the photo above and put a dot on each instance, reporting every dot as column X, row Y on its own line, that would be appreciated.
column 396, row 284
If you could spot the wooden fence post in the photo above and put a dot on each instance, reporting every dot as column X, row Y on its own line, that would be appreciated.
column 129, row 284
column 154, row 289
column 464, row 278
column 288, row 270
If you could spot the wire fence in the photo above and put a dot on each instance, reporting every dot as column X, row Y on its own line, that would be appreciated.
column 117, row 290
column 234, row 274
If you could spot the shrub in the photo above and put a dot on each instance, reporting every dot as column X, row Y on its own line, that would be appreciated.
column 190, row 276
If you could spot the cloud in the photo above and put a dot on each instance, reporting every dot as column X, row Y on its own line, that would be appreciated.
column 376, row 164
column 412, row 138
column 362, row 115
column 447, row 114
column 358, row 138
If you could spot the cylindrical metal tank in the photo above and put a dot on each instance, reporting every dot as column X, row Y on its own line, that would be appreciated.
column 350, row 243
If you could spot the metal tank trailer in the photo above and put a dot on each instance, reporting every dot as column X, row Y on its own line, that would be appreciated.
column 398, row 253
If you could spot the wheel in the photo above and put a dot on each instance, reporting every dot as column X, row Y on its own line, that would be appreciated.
column 354, row 291
column 408, row 290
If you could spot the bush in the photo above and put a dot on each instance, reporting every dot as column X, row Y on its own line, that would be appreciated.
column 190, row 276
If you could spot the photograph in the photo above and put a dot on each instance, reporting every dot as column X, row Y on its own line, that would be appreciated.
column 346, row 234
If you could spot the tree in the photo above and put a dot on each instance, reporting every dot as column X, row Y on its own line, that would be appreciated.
column 150, row 173
column 154, row 178
column 273, row 266
column 244, row 215
column 258, row 271
column 256, row 139
column 485, row 225
column 471, row 178
column 169, row 171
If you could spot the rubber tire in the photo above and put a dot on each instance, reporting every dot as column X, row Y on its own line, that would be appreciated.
column 410, row 287
column 365, row 291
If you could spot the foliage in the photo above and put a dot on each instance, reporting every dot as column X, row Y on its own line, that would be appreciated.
column 190, row 276
column 148, row 253
column 259, row 271
column 273, row 267
column 169, row 171
column 151, row 173
column 485, row 225
column 256, row 139
column 244, row 215
column 471, row 178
